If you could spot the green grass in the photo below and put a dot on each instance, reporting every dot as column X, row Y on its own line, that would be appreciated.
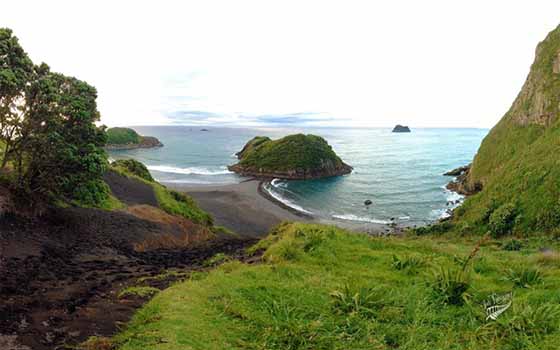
column 122, row 136
column 291, row 152
column 141, row 291
column 172, row 202
column 134, row 167
column 518, row 163
column 177, row 203
column 320, row 287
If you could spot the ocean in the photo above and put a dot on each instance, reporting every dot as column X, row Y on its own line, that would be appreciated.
column 401, row 173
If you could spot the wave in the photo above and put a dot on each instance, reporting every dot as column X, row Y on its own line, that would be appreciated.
column 285, row 201
column 188, row 171
column 352, row 217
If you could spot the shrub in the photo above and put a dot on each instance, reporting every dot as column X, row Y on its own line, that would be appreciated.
column 409, row 263
column 438, row 228
column 134, row 167
column 512, row 245
column 450, row 286
column 524, row 277
column 502, row 220
column 364, row 301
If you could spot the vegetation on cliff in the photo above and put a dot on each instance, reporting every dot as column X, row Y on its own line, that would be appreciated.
column 51, row 147
column 293, row 157
column 125, row 138
column 172, row 202
column 321, row 287
column 518, row 164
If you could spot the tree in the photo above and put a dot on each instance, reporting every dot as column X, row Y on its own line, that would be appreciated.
column 16, row 72
column 50, row 134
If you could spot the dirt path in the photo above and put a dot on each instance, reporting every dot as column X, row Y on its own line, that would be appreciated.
column 60, row 277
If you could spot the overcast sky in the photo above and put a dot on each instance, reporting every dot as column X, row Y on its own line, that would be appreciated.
column 360, row 63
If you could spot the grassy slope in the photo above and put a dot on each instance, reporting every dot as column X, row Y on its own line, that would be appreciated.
column 122, row 136
column 290, row 302
column 290, row 152
column 172, row 202
column 519, row 162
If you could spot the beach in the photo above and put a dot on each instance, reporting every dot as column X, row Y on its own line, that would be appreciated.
column 249, row 210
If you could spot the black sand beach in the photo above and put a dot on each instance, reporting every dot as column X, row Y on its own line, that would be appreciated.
column 247, row 209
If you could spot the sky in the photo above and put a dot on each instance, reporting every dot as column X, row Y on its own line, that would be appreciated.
column 278, row 63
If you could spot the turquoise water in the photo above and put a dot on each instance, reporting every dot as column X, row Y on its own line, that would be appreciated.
column 400, row 173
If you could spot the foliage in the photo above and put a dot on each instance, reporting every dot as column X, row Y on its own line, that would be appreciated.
column 177, row 203
column 524, row 277
column 344, row 294
column 408, row 263
column 134, row 167
column 518, row 160
column 501, row 221
column 122, row 136
column 512, row 245
column 437, row 228
column 47, row 126
column 217, row 259
column 291, row 152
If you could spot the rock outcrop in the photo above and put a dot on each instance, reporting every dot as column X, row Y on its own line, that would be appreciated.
column 294, row 157
column 401, row 128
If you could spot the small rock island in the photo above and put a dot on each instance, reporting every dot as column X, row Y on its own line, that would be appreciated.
column 294, row 157
column 401, row 128
column 127, row 138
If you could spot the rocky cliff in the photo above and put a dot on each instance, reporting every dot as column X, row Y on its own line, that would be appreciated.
column 295, row 157
column 518, row 163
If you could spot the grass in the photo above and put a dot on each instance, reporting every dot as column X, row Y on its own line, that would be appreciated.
column 320, row 287
column 141, row 291
column 172, row 202
column 518, row 163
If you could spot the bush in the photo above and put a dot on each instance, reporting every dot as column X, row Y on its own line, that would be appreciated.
column 437, row 228
column 134, row 167
column 502, row 220
column 363, row 301
column 524, row 277
column 450, row 286
column 512, row 245
column 408, row 263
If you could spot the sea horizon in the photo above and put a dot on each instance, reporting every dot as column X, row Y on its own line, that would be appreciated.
column 386, row 165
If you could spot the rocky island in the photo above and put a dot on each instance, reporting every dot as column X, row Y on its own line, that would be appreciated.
column 294, row 157
column 401, row 128
column 127, row 138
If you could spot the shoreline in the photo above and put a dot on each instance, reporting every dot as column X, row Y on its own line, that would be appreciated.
column 248, row 209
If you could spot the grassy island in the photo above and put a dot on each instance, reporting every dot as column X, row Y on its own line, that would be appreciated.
column 292, row 157
column 127, row 138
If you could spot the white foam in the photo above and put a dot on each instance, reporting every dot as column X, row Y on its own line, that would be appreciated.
column 188, row 171
column 286, row 202
column 352, row 217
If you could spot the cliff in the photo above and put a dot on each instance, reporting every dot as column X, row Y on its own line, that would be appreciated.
column 295, row 157
column 517, row 168
column 126, row 138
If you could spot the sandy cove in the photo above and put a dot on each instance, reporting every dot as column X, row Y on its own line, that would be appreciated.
column 248, row 209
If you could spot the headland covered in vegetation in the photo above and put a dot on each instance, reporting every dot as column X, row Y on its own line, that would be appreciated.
column 102, row 239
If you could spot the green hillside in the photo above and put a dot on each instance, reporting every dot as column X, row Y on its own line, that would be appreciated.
column 321, row 287
column 122, row 136
column 518, row 163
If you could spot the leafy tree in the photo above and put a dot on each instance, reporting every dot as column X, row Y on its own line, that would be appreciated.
column 16, row 72
column 49, row 131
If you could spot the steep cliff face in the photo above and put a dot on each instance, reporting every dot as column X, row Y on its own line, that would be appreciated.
column 518, row 163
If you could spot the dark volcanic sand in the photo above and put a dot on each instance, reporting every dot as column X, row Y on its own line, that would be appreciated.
column 60, row 275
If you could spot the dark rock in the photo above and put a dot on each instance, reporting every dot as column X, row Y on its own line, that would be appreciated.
column 458, row 171
column 368, row 202
column 401, row 128
column 204, row 130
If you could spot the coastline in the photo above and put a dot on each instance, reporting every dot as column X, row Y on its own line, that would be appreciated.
column 248, row 209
